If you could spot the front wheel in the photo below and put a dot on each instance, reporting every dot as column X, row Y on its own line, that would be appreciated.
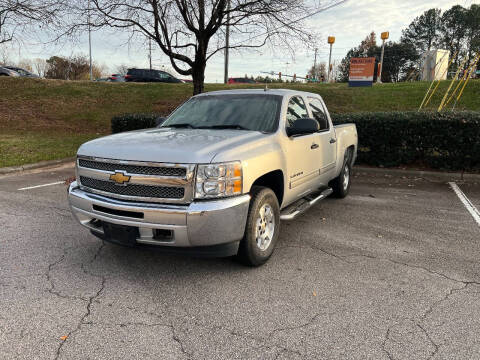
column 263, row 225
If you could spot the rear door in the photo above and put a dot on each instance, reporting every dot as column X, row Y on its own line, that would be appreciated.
column 302, row 152
column 326, row 140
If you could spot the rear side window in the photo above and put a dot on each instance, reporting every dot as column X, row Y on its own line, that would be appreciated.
column 163, row 75
column 296, row 110
column 319, row 113
column 135, row 72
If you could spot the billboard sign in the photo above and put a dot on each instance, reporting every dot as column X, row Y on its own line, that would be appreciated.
column 361, row 71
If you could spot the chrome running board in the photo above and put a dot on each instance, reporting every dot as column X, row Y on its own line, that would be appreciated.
column 298, row 207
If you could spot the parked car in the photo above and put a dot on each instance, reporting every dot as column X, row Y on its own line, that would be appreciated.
column 147, row 75
column 4, row 71
column 21, row 72
column 116, row 78
column 217, row 177
column 241, row 81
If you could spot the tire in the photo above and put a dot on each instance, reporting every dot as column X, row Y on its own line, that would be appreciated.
column 262, row 229
column 341, row 184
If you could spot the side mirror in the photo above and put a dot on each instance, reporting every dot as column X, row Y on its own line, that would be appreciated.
column 303, row 126
column 159, row 121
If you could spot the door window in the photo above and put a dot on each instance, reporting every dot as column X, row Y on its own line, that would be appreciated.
column 296, row 110
column 318, row 113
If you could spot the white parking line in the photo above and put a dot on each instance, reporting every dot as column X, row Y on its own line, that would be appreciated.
column 468, row 204
column 39, row 186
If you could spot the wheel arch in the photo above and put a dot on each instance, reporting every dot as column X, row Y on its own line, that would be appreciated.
column 273, row 180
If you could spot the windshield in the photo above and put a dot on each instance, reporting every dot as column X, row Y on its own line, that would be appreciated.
column 256, row 112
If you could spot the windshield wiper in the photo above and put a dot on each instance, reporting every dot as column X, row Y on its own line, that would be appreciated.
column 182, row 125
column 234, row 126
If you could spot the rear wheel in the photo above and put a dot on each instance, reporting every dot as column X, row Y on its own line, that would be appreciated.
column 341, row 184
column 263, row 225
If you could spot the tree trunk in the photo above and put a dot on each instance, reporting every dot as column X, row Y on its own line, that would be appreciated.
column 198, row 78
column 198, row 73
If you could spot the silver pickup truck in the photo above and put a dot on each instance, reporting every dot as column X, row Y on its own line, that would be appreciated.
column 217, row 177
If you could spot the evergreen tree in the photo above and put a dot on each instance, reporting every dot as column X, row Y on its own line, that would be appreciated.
column 424, row 32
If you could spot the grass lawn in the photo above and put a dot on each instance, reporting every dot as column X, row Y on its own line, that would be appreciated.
column 49, row 119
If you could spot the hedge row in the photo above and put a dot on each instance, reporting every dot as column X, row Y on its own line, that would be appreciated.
column 447, row 140
column 129, row 122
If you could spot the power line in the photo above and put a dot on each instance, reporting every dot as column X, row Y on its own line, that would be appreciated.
column 291, row 22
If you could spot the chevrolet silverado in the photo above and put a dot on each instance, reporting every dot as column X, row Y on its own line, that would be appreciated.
column 217, row 177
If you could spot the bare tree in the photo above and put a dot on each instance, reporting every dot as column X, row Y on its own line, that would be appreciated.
column 4, row 56
column 40, row 66
column 21, row 16
column 26, row 64
column 318, row 72
column 190, row 32
column 122, row 69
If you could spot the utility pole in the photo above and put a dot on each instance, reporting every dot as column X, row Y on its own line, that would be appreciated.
column 150, row 51
column 227, row 43
column 315, row 65
column 90, row 42
column 384, row 36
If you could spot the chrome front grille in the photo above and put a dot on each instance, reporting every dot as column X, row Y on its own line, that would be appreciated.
column 162, row 192
column 147, row 181
column 133, row 169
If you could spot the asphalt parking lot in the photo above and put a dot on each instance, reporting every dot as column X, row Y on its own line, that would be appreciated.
column 390, row 272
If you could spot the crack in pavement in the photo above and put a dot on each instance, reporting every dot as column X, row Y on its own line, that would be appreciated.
column 295, row 327
column 384, row 343
column 94, row 297
column 435, row 345
column 431, row 308
column 314, row 248
column 437, row 303
column 49, row 277
column 344, row 258
column 91, row 299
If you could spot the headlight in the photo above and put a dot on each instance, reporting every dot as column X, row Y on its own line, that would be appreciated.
column 219, row 180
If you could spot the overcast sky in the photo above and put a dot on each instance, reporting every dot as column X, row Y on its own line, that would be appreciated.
column 349, row 22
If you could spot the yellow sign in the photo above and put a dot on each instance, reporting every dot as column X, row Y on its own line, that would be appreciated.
column 385, row 35
column 331, row 39
column 120, row 178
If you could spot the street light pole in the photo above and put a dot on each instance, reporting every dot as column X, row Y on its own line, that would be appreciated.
column 90, row 42
column 384, row 37
column 315, row 65
column 227, row 43
column 331, row 41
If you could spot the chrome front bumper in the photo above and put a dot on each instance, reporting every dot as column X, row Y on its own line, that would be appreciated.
column 203, row 223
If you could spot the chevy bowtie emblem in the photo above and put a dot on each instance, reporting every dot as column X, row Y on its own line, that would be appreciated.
column 120, row 178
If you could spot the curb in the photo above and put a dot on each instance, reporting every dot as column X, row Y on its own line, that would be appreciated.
column 38, row 165
column 433, row 175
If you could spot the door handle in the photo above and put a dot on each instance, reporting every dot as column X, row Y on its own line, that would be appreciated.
column 314, row 146
column 333, row 141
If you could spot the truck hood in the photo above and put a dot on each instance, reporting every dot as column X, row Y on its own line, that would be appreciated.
column 168, row 145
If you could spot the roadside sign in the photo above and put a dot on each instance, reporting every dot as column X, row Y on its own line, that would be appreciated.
column 361, row 71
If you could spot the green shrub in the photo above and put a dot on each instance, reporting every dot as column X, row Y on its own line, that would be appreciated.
column 129, row 122
column 447, row 140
